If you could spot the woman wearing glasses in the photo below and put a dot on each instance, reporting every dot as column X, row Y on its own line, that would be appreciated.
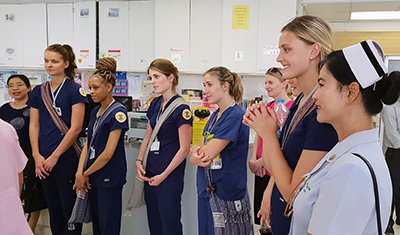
column 338, row 195
column 17, row 114
column 277, row 88
column 303, row 43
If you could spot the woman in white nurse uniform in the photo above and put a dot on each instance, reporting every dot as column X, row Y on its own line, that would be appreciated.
column 338, row 196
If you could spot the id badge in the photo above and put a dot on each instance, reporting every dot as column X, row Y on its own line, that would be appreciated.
column 58, row 111
column 92, row 153
column 216, row 164
column 155, row 146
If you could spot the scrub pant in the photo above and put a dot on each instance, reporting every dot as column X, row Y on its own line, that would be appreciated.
column 393, row 162
column 163, row 204
column 59, row 195
column 205, row 218
column 106, row 207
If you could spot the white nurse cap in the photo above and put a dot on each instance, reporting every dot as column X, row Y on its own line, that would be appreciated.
column 366, row 62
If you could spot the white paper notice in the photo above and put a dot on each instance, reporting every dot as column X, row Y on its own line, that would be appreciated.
column 271, row 50
column 135, row 83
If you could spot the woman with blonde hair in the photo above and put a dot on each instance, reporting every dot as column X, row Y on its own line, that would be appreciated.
column 278, row 89
column 303, row 43
column 222, row 155
column 349, row 191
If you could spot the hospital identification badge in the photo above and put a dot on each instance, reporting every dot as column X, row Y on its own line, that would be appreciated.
column 82, row 92
column 186, row 114
column 92, row 153
column 120, row 116
column 155, row 146
column 58, row 111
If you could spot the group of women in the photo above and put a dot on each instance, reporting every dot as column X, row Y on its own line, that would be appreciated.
column 48, row 121
column 327, row 168
column 315, row 178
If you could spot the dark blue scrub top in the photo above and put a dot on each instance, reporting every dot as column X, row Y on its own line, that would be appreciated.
column 309, row 134
column 49, row 135
column 231, row 179
column 113, row 174
column 168, row 136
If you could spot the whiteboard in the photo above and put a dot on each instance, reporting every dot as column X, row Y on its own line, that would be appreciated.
column 239, row 46
column 60, row 24
column 11, row 42
column 205, row 35
column 269, row 27
column 114, row 32
column 141, row 34
column 172, row 32
column 34, row 34
column 85, row 34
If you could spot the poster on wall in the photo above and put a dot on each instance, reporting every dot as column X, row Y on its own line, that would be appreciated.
column 121, row 85
column 240, row 17
column 135, row 83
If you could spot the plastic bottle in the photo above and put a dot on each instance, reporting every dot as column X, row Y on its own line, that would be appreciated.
column 281, row 113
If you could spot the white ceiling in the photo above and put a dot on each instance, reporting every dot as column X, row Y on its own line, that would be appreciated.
column 341, row 11
column 331, row 10
column 50, row 1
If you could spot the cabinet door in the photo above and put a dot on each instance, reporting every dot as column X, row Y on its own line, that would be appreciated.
column 141, row 34
column 239, row 35
column 205, row 35
column 269, row 28
column 172, row 32
column 114, row 32
column 34, row 34
column 60, row 24
column 11, row 42
column 85, row 34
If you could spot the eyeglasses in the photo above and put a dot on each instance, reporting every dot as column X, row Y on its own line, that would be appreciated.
column 274, row 70
column 289, row 206
column 19, row 85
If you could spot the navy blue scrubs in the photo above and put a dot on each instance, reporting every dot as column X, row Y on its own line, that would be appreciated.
column 106, row 194
column 231, row 179
column 163, row 202
column 58, row 185
column 308, row 135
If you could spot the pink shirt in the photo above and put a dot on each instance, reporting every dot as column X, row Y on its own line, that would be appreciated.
column 260, row 140
column 13, row 161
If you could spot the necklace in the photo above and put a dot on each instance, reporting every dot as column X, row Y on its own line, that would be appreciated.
column 17, row 107
column 231, row 104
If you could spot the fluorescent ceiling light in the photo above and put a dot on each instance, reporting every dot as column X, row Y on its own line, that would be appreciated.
column 376, row 15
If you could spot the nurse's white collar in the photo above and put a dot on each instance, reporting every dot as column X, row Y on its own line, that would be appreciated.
column 362, row 137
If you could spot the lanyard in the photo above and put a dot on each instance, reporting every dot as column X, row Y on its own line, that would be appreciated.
column 99, row 119
column 58, row 91
column 210, row 126
column 211, row 123
column 286, row 133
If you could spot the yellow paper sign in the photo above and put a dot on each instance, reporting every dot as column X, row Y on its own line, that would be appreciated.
column 240, row 16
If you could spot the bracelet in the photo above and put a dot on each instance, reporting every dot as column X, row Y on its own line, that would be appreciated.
column 139, row 160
